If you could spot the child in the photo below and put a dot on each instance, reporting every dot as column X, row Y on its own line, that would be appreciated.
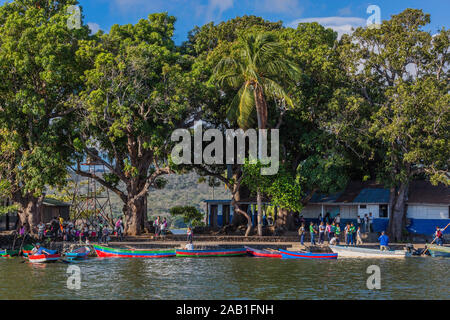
column 358, row 237
column 312, row 231
column 189, row 235
column 301, row 233
column 321, row 233
column 105, row 235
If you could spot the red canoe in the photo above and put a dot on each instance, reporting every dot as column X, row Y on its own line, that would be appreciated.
column 42, row 258
column 263, row 253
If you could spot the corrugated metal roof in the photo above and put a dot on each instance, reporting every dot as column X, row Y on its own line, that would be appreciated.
column 372, row 196
column 325, row 198
column 217, row 201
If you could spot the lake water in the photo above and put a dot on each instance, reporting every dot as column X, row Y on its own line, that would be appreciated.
column 227, row 278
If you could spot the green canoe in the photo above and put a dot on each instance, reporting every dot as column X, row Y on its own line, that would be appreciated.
column 9, row 253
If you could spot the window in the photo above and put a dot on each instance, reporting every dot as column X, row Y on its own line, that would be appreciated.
column 383, row 211
column 363, row 206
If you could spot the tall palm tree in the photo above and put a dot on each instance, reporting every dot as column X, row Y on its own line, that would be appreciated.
column 259, row 72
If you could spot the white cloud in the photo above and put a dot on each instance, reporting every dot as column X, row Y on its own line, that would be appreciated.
column 339, row 24
column 94, row 27
column 214, row 9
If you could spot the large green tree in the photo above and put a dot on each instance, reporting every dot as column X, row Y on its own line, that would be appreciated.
column 135, row 95
column 398, row 109
column 39, row 76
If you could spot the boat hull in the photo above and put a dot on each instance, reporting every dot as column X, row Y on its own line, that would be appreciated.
column 106, row 252
column 439, row 251
column 211, row 253
column 9, row 253
column 44, row 258
column 79, row 254
column 263, row 253
column 356, row 252
column 285, row 254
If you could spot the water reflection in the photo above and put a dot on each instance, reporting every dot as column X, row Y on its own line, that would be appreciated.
column 227, row 278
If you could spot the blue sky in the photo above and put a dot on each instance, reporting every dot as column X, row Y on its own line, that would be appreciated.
column 341, row 15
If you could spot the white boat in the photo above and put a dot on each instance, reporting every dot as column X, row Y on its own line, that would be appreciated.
column 358, row 252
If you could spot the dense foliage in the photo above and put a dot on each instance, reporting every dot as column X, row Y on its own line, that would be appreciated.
column 371, row 105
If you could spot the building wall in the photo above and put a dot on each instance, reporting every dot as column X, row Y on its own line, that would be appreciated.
column 374, row 208
column 421, row 211
column 348, row 212
column 311, row 211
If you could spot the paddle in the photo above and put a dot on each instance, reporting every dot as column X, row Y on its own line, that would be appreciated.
column 23, row 240
column 435, row 239
column 14, row 242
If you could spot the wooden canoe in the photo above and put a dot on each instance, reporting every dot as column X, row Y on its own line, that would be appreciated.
column 211, row 253
column 108, row 252
column 358, row 252
column 263, row 253
column 78, row 254
column 44, row 258
column 26, row 250
column 9, row 253
column 307, row 255
column 439, row 251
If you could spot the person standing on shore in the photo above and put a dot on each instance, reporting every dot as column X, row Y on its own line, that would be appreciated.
column 338, row 233
column 352, row 234
column 358, row 237
column 119, row 229
column 41, row 229
column 312, row 232
column 439, row 237
column 301, row 233
column 337, row 219
column 346, row 234
column 190, row 235
column 332, row 231
column 384, row 242
column 328, row 231
column 157, row 226
column 163, row 227
column 321, row 233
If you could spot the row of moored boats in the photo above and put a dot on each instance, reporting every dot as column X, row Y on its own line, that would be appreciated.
column 110, row 252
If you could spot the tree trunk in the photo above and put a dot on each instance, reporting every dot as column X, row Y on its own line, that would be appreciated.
column 397, row 221
column 285, row 219
column 260, row 213
column 134, row 224
column 29, row 212
column 261, row 113
column 245, row 214
column 241, row 193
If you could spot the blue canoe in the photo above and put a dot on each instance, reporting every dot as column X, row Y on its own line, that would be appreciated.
column 439, row 251
column 307, row 255
column 81, row 253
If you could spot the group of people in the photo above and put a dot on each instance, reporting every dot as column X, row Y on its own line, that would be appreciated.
column 160, row 226
column 98, row 230
column 366, row 222
column 332, row 233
